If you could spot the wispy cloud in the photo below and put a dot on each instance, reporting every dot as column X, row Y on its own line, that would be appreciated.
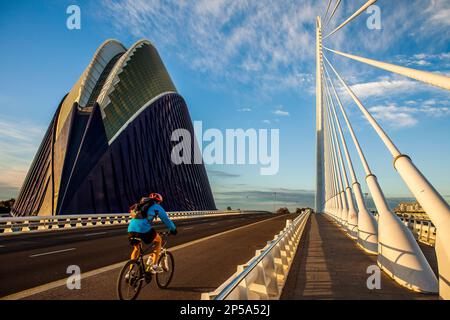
column 401, row 117
column 265, row 198
column 280, row 112
column 222, row 174
column 439, row 60
column 438, row 13
column 244, row 110
column 268, row 44
column 265, row 43
column 395, row 116
column 383, row 88
column 19, row 131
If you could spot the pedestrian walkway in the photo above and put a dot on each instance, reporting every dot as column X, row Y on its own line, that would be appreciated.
column 330, row 265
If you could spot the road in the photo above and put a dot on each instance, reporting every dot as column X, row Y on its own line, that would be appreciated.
column 32, row 260
column 330, row 265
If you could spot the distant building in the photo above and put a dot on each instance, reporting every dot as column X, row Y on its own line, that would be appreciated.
column 409, row 207
column 109, row 142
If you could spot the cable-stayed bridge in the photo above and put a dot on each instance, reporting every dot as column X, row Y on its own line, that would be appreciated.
column 339, row 192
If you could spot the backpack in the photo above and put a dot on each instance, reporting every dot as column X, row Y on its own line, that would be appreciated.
column 141, row 208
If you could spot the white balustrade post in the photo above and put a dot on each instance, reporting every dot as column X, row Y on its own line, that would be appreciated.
column 399, row 254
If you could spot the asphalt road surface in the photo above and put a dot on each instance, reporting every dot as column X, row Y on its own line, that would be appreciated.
column 32, row 260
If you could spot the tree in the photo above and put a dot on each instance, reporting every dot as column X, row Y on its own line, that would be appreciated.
column 283, row 211
column 229, row 208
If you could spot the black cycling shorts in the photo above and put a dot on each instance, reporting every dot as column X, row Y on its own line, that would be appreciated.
column 147, row 237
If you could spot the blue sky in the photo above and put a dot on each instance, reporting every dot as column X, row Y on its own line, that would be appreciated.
column 238, row 64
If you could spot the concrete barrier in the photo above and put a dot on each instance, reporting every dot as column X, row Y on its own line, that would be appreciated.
column 18, row 225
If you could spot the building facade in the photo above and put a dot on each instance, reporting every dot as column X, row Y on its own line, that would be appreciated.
column 109, row 142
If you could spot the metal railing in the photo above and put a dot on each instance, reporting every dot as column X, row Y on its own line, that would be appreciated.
column 17, row 225
column 423, row 230
column 264, row 276
column 403, row 260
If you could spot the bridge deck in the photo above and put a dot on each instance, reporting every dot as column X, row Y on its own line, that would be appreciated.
column 206, row 254
column 329, row 265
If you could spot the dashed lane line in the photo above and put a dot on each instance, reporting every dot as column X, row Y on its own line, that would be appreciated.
column 62, row 282
column 51, row 252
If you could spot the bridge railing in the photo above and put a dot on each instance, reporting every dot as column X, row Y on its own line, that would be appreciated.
column 264, row 276
column 17, row 225
column 423, row 230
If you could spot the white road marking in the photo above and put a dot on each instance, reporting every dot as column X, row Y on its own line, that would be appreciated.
column 213, row 224
column 188, row 228
column 1, row 246
column 51, row 252
column 94, row 234
column 58, row 283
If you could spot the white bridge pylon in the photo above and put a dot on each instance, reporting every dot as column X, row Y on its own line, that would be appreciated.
column 398, row 253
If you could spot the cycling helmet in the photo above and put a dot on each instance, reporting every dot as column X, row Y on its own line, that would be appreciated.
column 156, row 196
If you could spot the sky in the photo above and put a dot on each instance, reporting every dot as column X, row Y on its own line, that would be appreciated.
column 241, row 64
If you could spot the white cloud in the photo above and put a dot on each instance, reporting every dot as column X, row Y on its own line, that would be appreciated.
column 263, row 42
column 244, row 110
column 420, row 56
column 280, row 112
column 402, row 117
column 266, row 121
column 437, row 112
column 423, row 63
column 384, row 87
column 23, row 132
column 395, row 116
column 19, row 141
column 269, row 44
column 439, row 13
column 438, row 60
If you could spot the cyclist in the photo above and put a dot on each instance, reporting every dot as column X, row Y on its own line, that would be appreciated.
column 141, row 226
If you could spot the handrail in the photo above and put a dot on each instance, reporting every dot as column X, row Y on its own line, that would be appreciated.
column 18, row 225
column 99, row 215
column 423, row 230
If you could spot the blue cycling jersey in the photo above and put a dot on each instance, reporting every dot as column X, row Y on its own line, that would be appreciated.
column 144, row 225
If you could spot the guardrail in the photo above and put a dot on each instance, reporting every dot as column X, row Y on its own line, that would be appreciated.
column 423, row 230
column 264, row 276
column 17, row 225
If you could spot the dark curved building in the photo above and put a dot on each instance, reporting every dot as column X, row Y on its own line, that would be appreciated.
column 109, row 142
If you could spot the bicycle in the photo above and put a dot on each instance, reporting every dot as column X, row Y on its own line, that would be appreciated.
column 138, row 271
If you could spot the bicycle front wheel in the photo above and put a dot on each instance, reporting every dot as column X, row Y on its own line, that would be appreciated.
column 167, row 262
column 129, row 283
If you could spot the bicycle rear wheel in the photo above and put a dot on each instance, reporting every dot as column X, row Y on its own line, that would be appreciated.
column 129, row 287
column 167, row 262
